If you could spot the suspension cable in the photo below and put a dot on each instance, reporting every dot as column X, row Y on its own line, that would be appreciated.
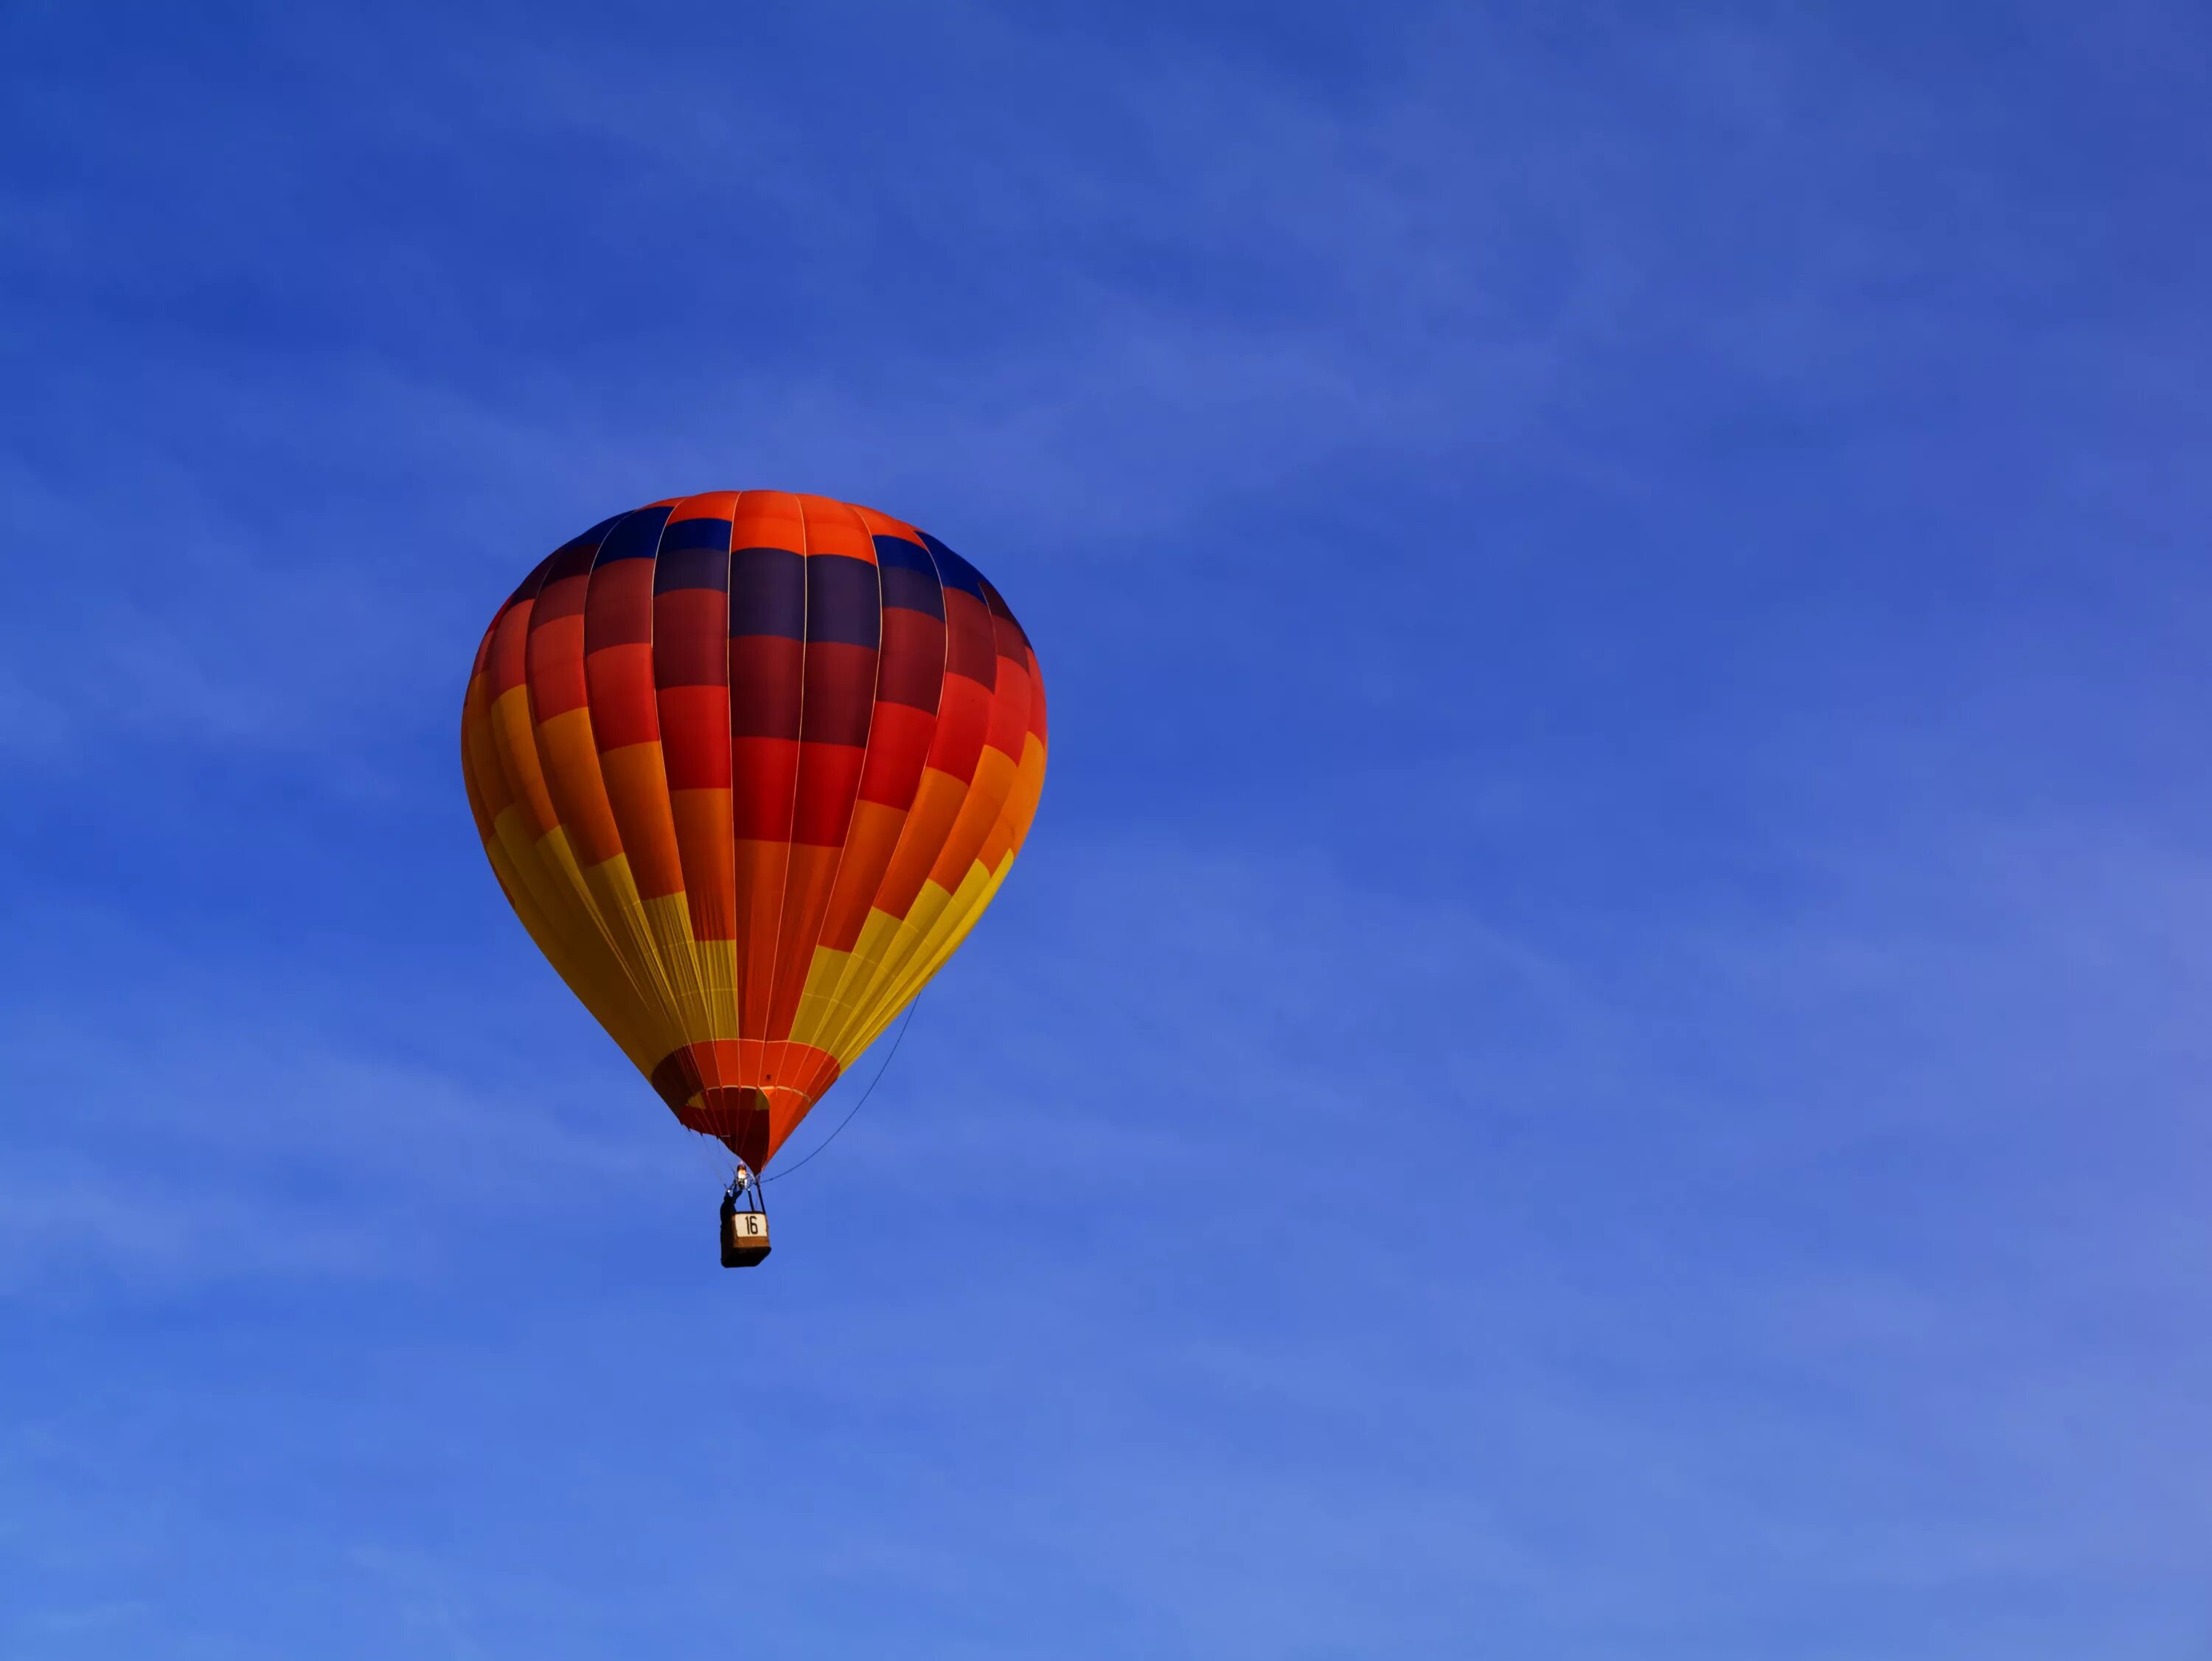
column 771, row 1176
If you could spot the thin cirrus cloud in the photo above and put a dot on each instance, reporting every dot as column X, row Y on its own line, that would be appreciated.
column 1596, row 1050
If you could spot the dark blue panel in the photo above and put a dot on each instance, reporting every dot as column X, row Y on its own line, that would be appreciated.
column 692, row 567
column 528, row 587
column 636, row 537
column 953, row 570
column 573, row 561
column 898, row 551
column 842, row 603
column 1000, row 610
column 695, row 533
column 767, row 592
column 909, row 576
column 912, row 590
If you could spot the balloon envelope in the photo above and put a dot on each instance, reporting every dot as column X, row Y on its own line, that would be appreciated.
column 749, row 766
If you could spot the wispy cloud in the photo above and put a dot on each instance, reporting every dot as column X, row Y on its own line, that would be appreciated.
column 1596, row 1051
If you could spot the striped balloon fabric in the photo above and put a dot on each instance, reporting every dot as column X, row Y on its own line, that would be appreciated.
column 749, row 766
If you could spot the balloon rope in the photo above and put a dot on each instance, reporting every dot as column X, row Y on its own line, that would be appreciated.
column 768, row 1176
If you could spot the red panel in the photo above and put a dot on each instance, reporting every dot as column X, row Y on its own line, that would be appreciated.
column 841, row 693
column 913, row 666
column 695, row 737
column 962, row 721
column 562, row 597
column 622, row 698
column 764, row 777
column 898, row 745
column 556, row 665
column 765, row 679
column 1010, row 709
column 971, row 646
column 509, row 647
column 691, row 638
column 619, row 606
column 828, row 776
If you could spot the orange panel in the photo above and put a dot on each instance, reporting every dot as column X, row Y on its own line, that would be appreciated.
column 936, row 806
column 761, row 867
column 814, row 871
column 572, row 776
column 868, row 848
column 638, row 791
column 702, row 835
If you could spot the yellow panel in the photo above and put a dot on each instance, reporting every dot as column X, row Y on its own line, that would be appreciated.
column 817, row 1004
column 968, row 907
column 865, row 997
column 961, row 912
column 668, row 918
column 595, row 974
column 1028, row 790
column 717, row 982
column 878, row 936
column 911, row 987
column 566, row 913
column 515, row 751
column 570, row 759
column 618, row 1015
column 953, row 920
column 514, row 736
column 630, row 934
column 996, row 774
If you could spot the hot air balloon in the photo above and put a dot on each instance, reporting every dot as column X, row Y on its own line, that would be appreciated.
column 749, row 766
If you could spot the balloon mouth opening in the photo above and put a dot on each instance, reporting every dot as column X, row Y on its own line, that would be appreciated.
column 724, row 1088
column 742, row 1119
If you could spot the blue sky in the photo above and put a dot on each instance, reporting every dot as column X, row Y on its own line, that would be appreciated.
column 1598, row 1053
